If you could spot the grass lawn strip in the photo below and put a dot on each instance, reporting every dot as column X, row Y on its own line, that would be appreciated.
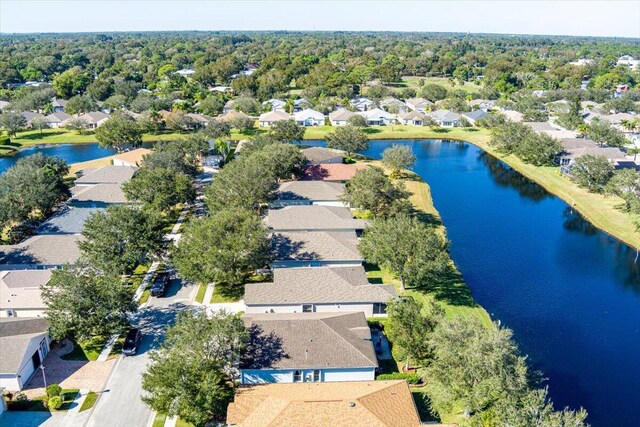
column 89, row 401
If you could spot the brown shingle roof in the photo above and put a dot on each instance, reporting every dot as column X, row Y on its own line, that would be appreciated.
column 313, row 217
column 107, row 175
column 47, row 249
column 332, row 171
column 315, row 245
column 317, row 285
column 133, row 157
column 321, row 155
column 343, row 404
column 310, row 190
column 313, row 340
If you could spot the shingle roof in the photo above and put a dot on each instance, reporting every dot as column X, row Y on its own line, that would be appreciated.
column 47, row 249
column 611, row 153
column 338, row 404
column 232, row 115
column 15, row 335
column 20, row 289
column 274, row 116
column 133, row 157
column 313, row 217
column 573, row 143
column 57, row 117
column 310, row 190
column 313, row 340
column 308, row 113
column 315, row 245
column 107, row 175
column 321, row 154
column 445, row 115
column 332, row 171
column 476, row 114
column 418, row 102
column 376, row 113
column 341, row 115
column 412, row 115
column 68, row 220
column 541, row 126
column 98, row 193
column 316, row 285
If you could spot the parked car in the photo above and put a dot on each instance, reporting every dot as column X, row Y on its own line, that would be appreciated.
column 131, row 342
column 159, row 285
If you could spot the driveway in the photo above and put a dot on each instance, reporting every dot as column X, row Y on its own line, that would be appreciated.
column 120, row 403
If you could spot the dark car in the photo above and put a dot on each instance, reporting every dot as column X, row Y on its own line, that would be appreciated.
column 131, row 342
column 159, row 285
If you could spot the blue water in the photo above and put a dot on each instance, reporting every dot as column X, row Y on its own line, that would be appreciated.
column 72, row 153
column 570, row 292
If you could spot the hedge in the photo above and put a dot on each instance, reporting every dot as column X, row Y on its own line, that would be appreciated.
column 410, row 378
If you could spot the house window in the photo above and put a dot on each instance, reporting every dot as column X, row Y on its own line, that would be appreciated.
column 316, row 375
column 297, row 376
column 307, row 308
column 379, row 308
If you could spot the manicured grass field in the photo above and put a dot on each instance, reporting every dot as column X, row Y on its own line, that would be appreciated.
column 414, row 82
column 202, row 288
column 87, row 349
column 89, row 401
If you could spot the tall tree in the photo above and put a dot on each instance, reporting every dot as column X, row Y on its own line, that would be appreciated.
column 370, row 189
column 410, row 249
column 116, row 240
column 625, row 183
column 398, row 157
column 287, row 131
column 83, row 302
column 223, row 247
column 160, row 188
column 12, row 122
column 190, row 375
column 592, row 172
column 119, row 132
column 602, row 133
column 348, row 138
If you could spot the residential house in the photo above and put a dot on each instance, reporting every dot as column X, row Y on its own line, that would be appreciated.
column 551, row 130
column 419, row 104
column 232, row 115
column 132, row 158
column 340, row 117
column 20, row 294
column 308, row 347
column 41, row 252
column 106, row 174
column 24, row 343
column 481, row 104
column 185, row 72
column 55, row 120
column 361, row 103
column 412, row 117
column 446, row 118
column 319, row 290
column 347, row 404
column 29, row 116
column 321, row 155
column 308, row 193
column 475, row 115
column 378, row 117
column 275, row 104
column 315, row 249
column 514, row 116
column 58, row 104
column 620, row 91
column 309, row 117
column 313, row 218
column 615, row 156
column 93, row 119
column 68, row 219
column 393, row 105
column 221, row 89
column 628, row 61
column 102, row 186
column 332, row 171
column 229, row 106
column 198, row 121
column 300, row 104
column 268, row 119
column 582, row 62
column 249, row 69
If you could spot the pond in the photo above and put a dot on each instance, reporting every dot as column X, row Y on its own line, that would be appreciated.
column 570, row 292
column 72, row 153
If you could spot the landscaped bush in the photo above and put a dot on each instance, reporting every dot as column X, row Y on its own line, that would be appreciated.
column 55, row 403
column 410, row 378
column 54, row 390
column 4, row 140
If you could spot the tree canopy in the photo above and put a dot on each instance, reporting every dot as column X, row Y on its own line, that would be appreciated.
column 592, row 172
column 119, row 132
column 160, row 188
column 348, row 138
column 398, row 157
column 371, row 190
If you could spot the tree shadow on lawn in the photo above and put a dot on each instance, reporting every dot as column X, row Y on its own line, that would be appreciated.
column 450, row 288
column 225, row 292
column 44, row 135
column 370, row 131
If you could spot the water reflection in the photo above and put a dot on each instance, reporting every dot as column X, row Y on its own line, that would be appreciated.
column 503, row 175
column 573, row 221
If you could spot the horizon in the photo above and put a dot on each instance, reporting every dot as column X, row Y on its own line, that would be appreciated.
column 600, row 19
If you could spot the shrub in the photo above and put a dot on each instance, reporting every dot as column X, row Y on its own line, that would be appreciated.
column 54, row 390
column 4, row 140
column 410, row 378
column 55, row 403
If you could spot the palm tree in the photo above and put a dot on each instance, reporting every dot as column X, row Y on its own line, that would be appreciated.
column 583, row 129
column 634, row 151
column 628, row 124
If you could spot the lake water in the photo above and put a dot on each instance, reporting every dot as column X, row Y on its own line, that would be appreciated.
column 72, row 153
column 570, row 292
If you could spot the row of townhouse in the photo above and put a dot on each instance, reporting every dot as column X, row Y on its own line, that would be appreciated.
column 28, row 265
column 317, row 355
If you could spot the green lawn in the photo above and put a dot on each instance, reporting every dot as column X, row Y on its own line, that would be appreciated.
column 38, row 403
column 227, row 293
column 89, row 401
column 202, row 289
column 86, row 349
column 414, row 82
column 159, row 420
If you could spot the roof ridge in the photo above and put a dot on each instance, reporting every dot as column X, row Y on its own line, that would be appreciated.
column 322, row 320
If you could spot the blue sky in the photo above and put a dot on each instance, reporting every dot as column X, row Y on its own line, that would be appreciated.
column 591, row 18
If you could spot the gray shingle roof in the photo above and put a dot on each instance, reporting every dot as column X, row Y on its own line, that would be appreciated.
column 313, row 217
column 315, row 245
column 320, row 155
column 20, row 289
column 15, row 335
column 47, row 249
column 68, row 220
column 107, row 175
column 573, row 143
column 313, row 340
column 310, row 190
column 476, row 114
column 316, row 285
column 341, row 115
column 98, row 193
column 611, row 153
column 445, row 116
